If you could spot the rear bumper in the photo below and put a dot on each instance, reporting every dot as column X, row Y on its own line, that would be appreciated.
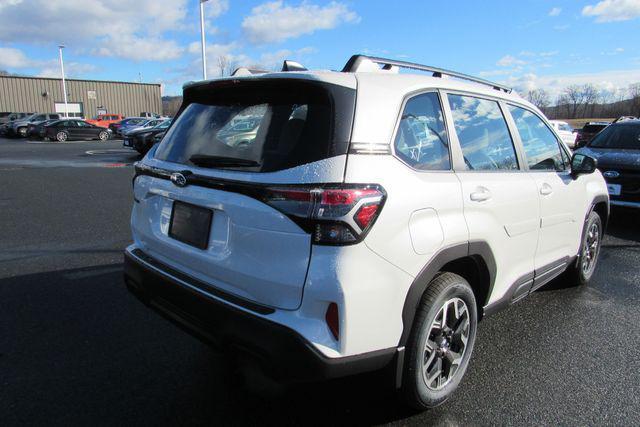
column 280, row 351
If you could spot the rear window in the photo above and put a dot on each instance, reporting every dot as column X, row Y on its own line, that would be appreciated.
column 593, row 128
column 260, row 125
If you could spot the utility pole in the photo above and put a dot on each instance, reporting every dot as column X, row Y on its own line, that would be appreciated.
column 64, row 84
column 202, row 41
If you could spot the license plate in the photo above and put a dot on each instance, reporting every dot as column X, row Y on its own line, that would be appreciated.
column 190, row 224
column 614, row 189
column 126, row 143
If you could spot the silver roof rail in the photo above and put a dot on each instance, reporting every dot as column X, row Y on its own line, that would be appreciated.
column 360, row 61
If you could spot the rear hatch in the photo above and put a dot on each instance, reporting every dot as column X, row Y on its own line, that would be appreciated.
column 207, row 197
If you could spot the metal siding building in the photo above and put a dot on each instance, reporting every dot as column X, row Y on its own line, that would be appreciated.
column 44, row 95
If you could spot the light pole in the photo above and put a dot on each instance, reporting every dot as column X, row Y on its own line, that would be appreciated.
column 202, row 41
column 64, row 84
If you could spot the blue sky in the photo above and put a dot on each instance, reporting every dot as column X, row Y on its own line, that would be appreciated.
column 526, row 44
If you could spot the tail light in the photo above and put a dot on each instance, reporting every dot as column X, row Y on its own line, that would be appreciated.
column 334, row 216
column 333, row 320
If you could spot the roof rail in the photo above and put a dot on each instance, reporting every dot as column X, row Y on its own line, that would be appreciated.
column 360, row 61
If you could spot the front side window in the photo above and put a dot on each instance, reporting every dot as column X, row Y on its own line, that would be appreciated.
column 540, row 144
column 483, row 134
column 421, row 140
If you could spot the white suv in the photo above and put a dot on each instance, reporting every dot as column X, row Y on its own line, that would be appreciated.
column 369, row 221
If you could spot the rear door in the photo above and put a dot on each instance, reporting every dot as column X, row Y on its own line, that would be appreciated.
column 501, row 204
column 560, row 203
column 251, row 248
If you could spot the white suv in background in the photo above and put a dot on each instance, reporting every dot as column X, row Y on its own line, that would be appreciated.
column 369, row 222
column 565, row 132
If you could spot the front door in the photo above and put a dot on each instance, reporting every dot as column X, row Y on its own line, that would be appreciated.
column 548, row 164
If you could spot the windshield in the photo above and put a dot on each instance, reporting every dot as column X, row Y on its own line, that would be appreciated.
column 258, row 126
column 164, row 124
column 619, row 137
column 134, row 121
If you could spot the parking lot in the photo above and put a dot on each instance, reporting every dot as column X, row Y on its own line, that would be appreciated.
column 75, row 347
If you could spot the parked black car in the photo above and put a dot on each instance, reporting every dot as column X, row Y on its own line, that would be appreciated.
column 34, row 122
column 617, row 149
column 143, row 139
column 588, row 131
column 36, row 131
column 64, row 130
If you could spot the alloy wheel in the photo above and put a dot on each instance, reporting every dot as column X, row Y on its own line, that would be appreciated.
column 446, row 344
column 591, row 248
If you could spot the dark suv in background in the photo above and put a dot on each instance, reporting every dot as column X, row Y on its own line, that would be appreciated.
column 617, row 149
column 588, row 131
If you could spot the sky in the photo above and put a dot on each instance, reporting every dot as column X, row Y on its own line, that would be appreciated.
column 527, row 44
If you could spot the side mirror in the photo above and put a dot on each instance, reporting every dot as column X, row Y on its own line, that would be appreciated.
column 582, row 164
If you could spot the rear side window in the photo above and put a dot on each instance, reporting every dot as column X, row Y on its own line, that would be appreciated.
column 260, row 125
column 483, row 134
column 540, row 144
column 421, row 139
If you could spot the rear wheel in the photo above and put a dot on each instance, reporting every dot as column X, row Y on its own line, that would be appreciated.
column 62, row 136
column 441, row 341
column 22, row 132
column 103, row 136
column 582, row 270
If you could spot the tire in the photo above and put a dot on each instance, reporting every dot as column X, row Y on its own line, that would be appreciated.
column 62, row 136
column 22, row 132
column 581, row 272
column 454, row 292
column 103, row 136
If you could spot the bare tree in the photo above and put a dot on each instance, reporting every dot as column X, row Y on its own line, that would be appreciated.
column 223, row 64
column 539, row 98
column 589, row 99
column 634, row 94
column 574, row 97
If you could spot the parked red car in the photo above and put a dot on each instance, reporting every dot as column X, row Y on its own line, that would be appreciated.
column 104, row 120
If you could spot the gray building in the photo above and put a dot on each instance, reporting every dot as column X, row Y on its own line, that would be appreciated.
column 86, row 98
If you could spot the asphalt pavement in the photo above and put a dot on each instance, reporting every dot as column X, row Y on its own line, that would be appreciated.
column 77, row 349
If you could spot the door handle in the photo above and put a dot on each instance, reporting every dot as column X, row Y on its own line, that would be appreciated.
column 480, row 195
column 546, row 189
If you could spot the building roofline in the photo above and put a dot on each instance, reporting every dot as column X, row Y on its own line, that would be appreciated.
column 79, row 80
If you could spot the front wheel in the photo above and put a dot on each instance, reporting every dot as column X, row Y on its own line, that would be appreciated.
column 441, row 341
column 22, row 132
column 103, row 136
column 62, row 136
column 582, row 270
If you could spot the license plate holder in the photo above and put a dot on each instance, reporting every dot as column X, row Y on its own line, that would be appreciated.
column 614, row 189
column 190, row 224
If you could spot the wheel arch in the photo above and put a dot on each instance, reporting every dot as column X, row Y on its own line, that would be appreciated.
column 600, row 205
column 472, row 260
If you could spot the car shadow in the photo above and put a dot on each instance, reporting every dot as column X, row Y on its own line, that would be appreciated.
column 76, row 347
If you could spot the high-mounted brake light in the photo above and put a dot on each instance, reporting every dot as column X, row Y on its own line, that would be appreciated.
column 334, row 216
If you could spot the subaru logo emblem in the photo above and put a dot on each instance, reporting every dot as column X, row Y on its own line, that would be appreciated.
column 178, row 179
column 611, row 174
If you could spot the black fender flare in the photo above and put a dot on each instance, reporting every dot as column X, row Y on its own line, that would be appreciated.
column 440, row 259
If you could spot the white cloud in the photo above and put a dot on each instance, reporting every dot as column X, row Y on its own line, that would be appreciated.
column 275, row 22
column 554, row 84
column 120, row 28
column 555, row 11
column 13, row 58
column 509, row 61
column 613, row 10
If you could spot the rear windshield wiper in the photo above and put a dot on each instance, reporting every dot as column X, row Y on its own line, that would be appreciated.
column 205, row 160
